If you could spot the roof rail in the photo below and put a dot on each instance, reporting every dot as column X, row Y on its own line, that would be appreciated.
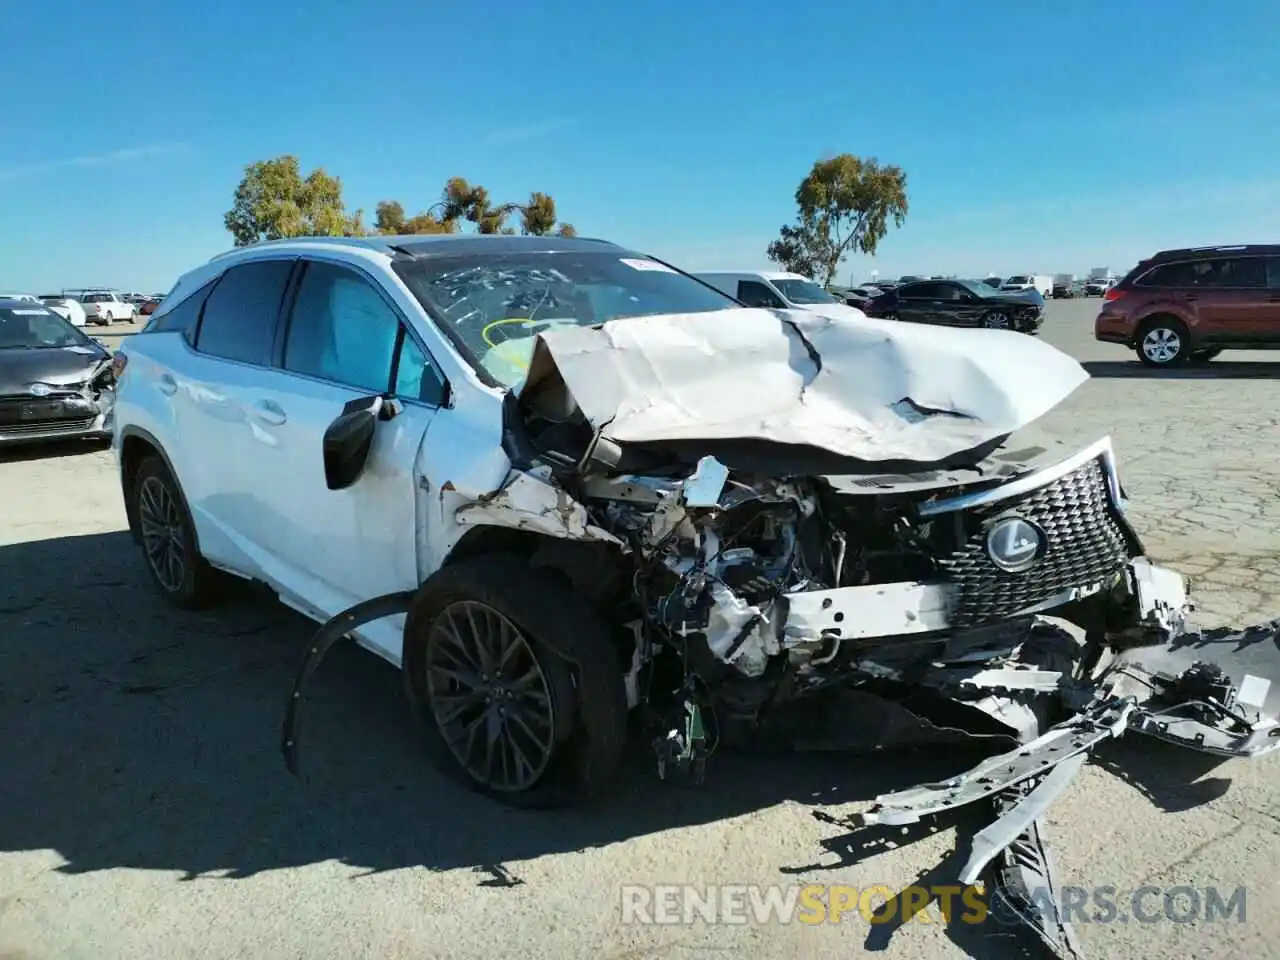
column 387, row 243
column 358, row 241
column 1252, row 248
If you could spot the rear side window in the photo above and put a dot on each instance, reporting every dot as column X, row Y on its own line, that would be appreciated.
column 240, row 314
column 183, row 316
column 1168, row 275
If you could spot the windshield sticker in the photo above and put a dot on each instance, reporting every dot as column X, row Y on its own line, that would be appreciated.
column 652, row 265
column 31, row 313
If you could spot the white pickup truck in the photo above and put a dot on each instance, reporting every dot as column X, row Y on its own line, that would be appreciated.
column 103, row 307
column 1025, row 281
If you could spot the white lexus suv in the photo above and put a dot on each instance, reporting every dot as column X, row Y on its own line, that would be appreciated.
column 561, row 483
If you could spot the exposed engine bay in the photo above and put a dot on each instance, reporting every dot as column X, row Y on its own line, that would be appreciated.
column 964, row 588
column 936, row 607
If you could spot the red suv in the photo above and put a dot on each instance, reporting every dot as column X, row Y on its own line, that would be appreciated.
column 1190, row 305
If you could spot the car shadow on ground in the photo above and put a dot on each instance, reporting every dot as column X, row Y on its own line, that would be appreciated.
column 133, row 735
column 50, row 450
column 1212, row 370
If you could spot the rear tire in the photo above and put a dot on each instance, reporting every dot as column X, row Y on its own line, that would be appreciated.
column 566, row 714
column 175, row 566
column 1163, row 342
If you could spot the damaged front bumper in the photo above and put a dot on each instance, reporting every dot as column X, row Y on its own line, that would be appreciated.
column 1209, row 691
column 87, row 413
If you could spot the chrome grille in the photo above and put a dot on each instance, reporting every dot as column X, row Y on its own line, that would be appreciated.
column 1085, row 545
column 49, row 428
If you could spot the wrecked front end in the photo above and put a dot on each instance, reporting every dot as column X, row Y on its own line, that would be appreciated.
column 901, row 574
column 65, row 407
column 925, row 593
column 928, row 608
column 965, row 591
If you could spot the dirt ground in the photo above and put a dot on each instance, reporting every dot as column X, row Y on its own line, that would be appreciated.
column 145, row 809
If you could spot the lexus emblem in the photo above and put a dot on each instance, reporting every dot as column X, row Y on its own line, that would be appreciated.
column 1014, row 544
column 39, row 389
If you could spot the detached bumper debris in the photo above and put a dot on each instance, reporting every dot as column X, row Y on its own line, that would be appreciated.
column 1163, row 691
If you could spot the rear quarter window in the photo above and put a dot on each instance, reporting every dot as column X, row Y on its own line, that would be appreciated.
column 183, row 316
column 1166, row 275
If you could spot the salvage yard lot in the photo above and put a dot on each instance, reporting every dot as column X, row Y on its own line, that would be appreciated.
column 146, row 810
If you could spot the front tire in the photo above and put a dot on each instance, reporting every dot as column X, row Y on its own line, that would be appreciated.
column 997, row 320
column 516, row 683
column 177, row 570
column 1163, row 342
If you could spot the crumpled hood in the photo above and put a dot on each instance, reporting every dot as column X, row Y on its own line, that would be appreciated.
column 55, row 365
column 874, row 390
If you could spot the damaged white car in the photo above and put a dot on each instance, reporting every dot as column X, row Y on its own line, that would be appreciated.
column 560, row 483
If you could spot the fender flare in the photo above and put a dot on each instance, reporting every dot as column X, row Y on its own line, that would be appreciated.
column 322, row 641
column 130, row 431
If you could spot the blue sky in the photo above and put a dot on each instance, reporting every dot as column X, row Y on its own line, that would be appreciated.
column 1036, row 136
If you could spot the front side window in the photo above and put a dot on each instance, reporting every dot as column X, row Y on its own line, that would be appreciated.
column 1273, row 273
column 803, row 291
column 918, row 291
column 1249, row 273
column 972, row 287
column 755, row 294
column 343, row 330
column 239, row 321
column 954, row 292
column 492, row 306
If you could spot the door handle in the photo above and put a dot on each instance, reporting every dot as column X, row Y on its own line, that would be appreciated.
column 166, row 384
column 268, row 411
column 1190, row 296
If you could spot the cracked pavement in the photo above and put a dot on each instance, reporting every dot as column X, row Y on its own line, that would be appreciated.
column 146, row 810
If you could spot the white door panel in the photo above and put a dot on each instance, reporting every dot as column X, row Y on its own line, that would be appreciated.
column 330, row 549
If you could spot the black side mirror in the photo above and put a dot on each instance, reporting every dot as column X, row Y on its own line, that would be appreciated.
column 348, row 440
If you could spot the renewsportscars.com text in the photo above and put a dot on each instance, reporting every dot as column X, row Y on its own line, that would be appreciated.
column 812, row 904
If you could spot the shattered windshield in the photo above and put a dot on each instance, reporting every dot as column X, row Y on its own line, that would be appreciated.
column 34, row 327
column 493, row 306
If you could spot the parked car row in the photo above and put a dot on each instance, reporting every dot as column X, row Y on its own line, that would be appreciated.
column 97, row 305
column 55, row 382
column 961, row 303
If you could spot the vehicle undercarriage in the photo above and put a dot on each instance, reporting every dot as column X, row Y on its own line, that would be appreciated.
column 1000, row 595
